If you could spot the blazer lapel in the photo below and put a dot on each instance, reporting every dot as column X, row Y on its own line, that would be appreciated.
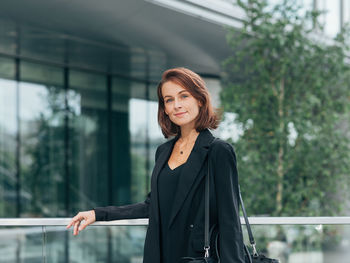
column 190, row 170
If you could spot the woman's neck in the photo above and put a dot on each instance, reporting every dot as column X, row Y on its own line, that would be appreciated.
column 188, row 135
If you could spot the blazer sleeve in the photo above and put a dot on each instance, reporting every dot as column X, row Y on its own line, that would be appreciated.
column 132, row 211
column 231, row 248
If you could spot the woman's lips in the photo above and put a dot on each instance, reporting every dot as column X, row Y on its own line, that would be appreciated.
column 180, row 114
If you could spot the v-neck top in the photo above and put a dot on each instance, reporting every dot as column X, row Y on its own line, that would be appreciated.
column 167, row 184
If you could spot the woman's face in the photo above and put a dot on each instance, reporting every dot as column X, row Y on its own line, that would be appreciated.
column 181, row 107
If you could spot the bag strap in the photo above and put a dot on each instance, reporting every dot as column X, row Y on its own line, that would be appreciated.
column 206, row 214
column 250, row 233
column 206, row 210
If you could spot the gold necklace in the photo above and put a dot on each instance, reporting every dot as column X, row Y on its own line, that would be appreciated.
column 181, row 151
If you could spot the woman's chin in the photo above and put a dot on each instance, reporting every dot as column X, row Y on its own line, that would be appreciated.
column 183, row 123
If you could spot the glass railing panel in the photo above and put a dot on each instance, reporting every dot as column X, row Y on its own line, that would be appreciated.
column 95, row 244
column 127, row 243
column 91, row 245
column 303, row 243
column 103, row 242
column 21, row 244
column 55, row 244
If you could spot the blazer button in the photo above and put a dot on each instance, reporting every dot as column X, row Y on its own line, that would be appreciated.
column 191, row 226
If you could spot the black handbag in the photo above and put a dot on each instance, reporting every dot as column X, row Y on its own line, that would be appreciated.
column 213, row 236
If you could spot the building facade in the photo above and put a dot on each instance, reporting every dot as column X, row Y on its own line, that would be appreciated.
column 78, row 102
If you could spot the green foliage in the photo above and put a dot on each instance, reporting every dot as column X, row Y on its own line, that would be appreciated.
column 291, row 94
column 138, row 175
column 42, row 155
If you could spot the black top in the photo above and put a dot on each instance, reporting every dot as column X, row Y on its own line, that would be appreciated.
column 167, row 185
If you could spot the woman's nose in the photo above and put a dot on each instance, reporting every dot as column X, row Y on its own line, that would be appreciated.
column 177, row 103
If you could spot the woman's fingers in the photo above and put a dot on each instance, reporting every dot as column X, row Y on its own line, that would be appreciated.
column 76, row 228
column 78, row 217
column 86, row 222
column 81, row 221
column 70, row 223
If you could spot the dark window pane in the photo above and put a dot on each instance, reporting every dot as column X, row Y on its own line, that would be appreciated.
column 8, row 37
column 88, row 169
column 39, row 73
column 42, row 44
column 129, row 137
column 7, row 68
column 85, row 55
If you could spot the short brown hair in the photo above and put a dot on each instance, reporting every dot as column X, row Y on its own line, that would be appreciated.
column 194, row 84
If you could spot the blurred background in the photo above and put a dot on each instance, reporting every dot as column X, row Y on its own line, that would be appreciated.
column 78, row 115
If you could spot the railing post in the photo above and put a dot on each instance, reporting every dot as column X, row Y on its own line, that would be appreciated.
column 44, row 244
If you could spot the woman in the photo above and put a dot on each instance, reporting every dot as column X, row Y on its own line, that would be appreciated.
column 175, row 205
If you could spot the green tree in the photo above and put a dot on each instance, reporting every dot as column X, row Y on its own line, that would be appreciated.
column 291, row 94
column 42, row 168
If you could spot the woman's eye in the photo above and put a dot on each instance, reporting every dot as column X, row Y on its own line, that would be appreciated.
column 168, row 100
column 184, row 96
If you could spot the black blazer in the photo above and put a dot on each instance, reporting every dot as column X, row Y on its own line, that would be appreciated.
column 186, row 224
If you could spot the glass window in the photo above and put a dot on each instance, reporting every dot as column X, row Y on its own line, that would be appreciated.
column 87, row 55
column 156, row 65
column 156, row 136
column 137, row 63
column 40, row 73
column 8, row 144
column 138, row 130
column 41, row 113
column 88, row 137
column 7, row 68
column 129, row 141
column 8, row 34
column 41, row 44
column 42, row 117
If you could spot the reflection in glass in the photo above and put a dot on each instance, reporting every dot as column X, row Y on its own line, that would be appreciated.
column 303, row 243
column 21, row 244
column 96, row 244
column 127, row 243
column 8, row 33
column 129, row 131
column 42, row 150
column 8, row 131
column 138, row 130
column 156, row 136
column 87, row 55
column 42, row 44
column 156, row 65
column 40, row 73
column 88, row 169
column 124, row 244
column 7, row 68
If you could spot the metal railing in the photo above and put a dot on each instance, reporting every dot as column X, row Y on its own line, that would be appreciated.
column 47, row 240
column 144, row 222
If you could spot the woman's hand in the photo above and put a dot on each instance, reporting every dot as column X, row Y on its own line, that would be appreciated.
column 88, row 217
